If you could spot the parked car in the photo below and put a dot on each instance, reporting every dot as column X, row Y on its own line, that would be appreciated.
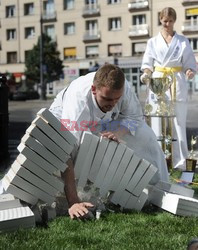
column 25, row 95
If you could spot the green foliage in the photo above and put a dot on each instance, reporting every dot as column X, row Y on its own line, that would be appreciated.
column 52, row 65
column 153, row 230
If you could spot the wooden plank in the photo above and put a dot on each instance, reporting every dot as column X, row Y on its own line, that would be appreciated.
column 138, row 174
column 88, row 161
column 56, row 124
column 175, row 188
column 122, row 168
column 144, row 181
column 84, row 147
column 37, row 170
column 137, row 202
column 37, row 159
column 141, row 200
column 35, row 132
column 52, row 133
column 25, row 185
column 15, row 218
column 8, row 201
column 124, row 198
column 33, row 179
column 131, row 202
column 102, row 146
column 112, row 169
column 18, row 192
column 43, row 152
column 105, row 163
column 164, row 200
column 134, row 162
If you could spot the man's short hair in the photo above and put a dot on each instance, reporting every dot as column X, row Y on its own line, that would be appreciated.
column 109, row 75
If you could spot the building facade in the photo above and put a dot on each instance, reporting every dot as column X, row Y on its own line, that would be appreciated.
column 89, row 31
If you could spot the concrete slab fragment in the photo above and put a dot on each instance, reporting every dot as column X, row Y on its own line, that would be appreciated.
column 37, row 159
column 35, row 132
column 100, row 152
column 88, row 161
column 43, row 152
column 56, row 124
column 15, row 218
column 52, row 133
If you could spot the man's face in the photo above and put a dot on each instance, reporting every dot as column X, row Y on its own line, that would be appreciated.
column 106, row 97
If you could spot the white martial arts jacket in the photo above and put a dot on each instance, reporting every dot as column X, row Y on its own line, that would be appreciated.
column 77, row 109
column 176, row 54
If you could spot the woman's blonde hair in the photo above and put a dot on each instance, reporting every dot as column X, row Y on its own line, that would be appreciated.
column 168, row 12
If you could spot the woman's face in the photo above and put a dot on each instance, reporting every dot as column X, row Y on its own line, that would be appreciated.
column 167, row 23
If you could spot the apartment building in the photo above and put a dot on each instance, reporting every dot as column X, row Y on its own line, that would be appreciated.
column 89, row 31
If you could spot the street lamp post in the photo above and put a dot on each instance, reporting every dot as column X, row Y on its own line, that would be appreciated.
column 4, row 119
column 42, row 82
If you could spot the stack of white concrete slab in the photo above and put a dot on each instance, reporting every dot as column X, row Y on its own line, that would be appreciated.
column 113, row 167
column 44, row 149
column 174, row 199
column 13, row 215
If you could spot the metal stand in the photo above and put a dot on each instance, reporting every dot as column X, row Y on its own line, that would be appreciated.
column 166, row 137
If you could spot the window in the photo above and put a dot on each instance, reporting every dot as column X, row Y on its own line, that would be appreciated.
column 48, row 7
column 29, row 32
column 70, row 53
column 68, row 4
column 92, row 51
column 12, row 57
column 88, row 2
column 138, row 48
column 28, row 9
column 139, row 19
column 115, row 50
column 194, row 44
column 69, row 28
column 11, row 34
column 115, row 23
column 113, row 1
column 10, row 11
column 50, row 31
column 192, row 14
column 92, row 27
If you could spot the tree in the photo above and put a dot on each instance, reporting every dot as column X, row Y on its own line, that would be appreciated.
column 52, row 65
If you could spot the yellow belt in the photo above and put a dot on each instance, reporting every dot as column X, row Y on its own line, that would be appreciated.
column 170, row 71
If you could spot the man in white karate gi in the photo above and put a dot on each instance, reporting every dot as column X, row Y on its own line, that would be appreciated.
column 170, row 54
column 95, row 101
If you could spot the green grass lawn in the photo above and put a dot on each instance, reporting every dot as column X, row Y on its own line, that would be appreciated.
column 148, row 229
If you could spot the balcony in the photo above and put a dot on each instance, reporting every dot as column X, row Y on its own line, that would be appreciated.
column 190, row 26
column 92, row 36
column 189, row 2
column 91, row 10
column 139, row 30
column 138, row 5
column 49, row 16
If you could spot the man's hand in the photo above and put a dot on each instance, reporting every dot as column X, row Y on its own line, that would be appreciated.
column 111, row 136
column 189, row 74
column 78, row 210
column 115, row 135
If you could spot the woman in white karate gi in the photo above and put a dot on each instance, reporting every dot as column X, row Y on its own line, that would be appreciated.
column 170, row 54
